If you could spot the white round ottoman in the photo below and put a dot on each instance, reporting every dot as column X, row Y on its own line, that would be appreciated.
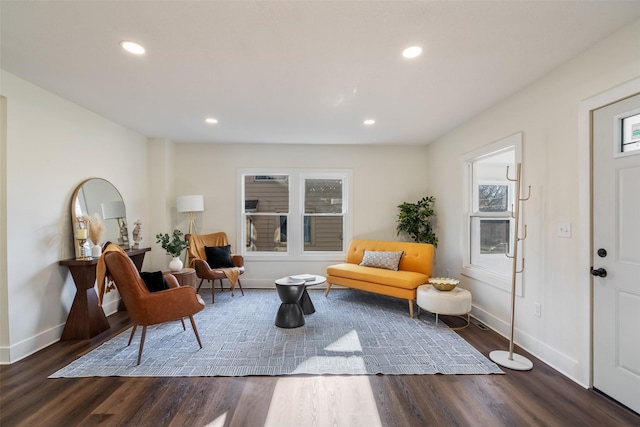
column 456, row 302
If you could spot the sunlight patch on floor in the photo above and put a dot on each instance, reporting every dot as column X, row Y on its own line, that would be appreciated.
column 324, row 363
column 326, row 400
column 347, row 343
column 323, row 401
column 218, row 422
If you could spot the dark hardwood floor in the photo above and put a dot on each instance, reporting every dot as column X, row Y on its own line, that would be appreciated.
column 541, row 397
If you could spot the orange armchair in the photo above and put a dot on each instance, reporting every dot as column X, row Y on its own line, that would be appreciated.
column 198, row 261
column 150, row 308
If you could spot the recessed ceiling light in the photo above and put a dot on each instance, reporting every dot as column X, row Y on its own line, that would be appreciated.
column 132, row 47
column 211, row 120
column 369, row 122
column 412, row 52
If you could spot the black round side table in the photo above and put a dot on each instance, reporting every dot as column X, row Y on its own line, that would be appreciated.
column 290, row 313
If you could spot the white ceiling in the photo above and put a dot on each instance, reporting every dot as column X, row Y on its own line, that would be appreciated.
column 296, row 71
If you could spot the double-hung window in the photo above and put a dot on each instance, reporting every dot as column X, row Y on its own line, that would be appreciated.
column 489, row 213
column 295, row 212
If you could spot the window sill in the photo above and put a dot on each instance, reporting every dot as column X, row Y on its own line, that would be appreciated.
column 499, row 281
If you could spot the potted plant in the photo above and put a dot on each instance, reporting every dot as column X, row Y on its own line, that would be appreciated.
column 414, row 219
column 173, row 245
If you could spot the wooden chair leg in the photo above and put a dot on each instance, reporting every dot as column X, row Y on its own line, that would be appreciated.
column 198, row 290
column 184, row 328
column 195, row 331
column 213, row 285
column 144, row 334
column 328, row 289
column 133, row 331
column 410, row 308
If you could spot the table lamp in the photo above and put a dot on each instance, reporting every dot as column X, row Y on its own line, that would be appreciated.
column 115, row 210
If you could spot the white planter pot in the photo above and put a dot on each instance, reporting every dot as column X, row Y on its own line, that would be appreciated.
column 175, row 264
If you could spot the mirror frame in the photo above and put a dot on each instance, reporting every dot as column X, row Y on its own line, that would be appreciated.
column 123, row 240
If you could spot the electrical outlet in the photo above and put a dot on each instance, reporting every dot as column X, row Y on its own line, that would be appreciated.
column 564, row 229
column 537, row 309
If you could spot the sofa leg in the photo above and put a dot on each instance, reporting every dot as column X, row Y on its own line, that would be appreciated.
column 328, row 289
column 410, row 308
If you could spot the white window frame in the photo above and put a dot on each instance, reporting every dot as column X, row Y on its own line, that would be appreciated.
column 622, row 132
column 500, row 280
column 295, row 246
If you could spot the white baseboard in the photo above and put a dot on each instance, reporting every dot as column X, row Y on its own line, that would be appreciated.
column 564, row 364
column 111, row 307
column 31, row 345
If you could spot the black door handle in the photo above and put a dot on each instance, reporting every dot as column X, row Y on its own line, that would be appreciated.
column 599, row 272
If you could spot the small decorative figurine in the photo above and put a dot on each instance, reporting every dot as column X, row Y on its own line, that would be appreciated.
column 137, row 234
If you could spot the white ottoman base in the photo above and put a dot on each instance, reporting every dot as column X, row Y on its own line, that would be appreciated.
column 456, row 302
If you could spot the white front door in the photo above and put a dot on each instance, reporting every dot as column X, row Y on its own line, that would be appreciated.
column 616, row 251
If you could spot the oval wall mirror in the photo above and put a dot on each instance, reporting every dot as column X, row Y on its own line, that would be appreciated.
column 99, row 196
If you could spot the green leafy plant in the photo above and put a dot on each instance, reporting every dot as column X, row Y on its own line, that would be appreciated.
column 414, row 219
column 174, row 244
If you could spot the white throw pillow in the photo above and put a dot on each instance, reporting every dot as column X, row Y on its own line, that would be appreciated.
column 379, row 259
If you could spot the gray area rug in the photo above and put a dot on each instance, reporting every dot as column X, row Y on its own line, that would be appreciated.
column 350, row 333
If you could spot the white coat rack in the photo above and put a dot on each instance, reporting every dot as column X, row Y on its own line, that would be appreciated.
column 509, row 359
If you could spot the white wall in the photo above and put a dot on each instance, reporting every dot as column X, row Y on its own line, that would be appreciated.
column 547, row 113
column 52, row 145
column 383, row 177
column 160, row 175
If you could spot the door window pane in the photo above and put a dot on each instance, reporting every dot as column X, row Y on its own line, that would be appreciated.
column 631, row 133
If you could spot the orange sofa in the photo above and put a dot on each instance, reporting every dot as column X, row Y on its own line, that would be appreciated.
column 414, row 269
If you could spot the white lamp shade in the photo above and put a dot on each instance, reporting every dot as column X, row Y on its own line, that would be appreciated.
column 112, row 210
column 190, row 203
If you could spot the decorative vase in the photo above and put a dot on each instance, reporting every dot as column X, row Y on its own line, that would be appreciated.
column 175, row 264
column 96, row 251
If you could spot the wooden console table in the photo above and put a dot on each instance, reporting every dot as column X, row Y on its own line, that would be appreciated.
column 86, row 318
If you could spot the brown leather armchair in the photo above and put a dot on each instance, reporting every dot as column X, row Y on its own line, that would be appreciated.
column 150, row 308
column 198, row 261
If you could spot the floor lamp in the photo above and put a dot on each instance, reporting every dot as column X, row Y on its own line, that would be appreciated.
column 190, row 204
